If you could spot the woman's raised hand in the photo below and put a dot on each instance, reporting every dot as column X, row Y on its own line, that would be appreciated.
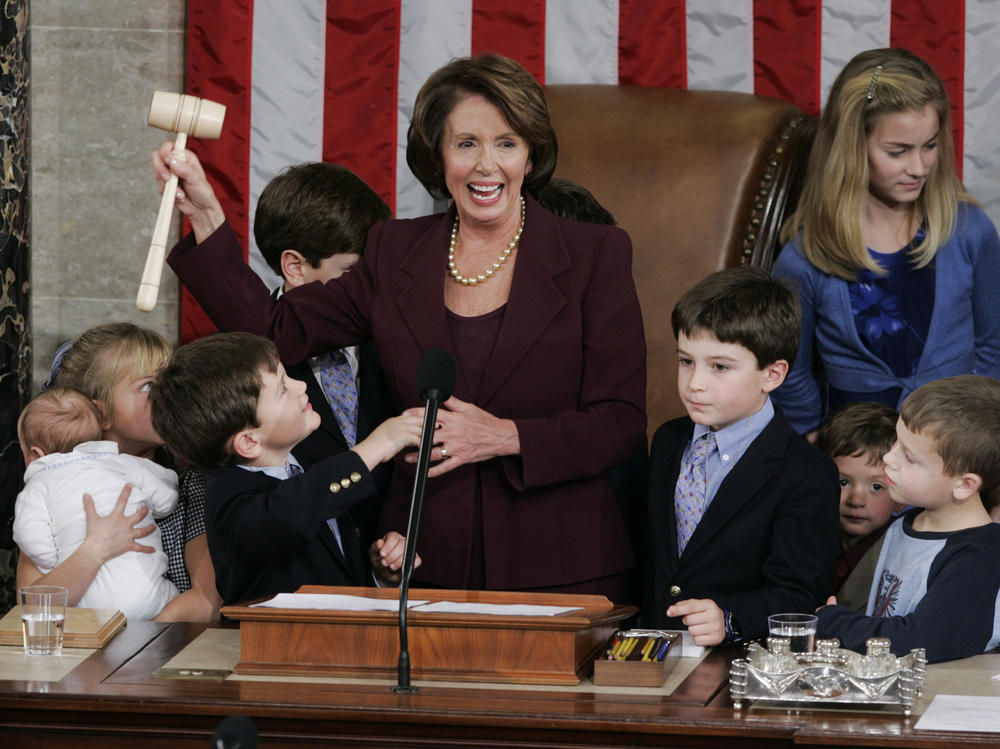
column 195, row 197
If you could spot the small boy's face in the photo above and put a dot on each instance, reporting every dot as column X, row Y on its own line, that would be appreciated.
column 915, row 471
column 865, row 502
column 329, row 268
column 720, row 383
column 285, row 416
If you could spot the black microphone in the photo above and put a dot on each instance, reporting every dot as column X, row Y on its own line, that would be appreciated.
column 435, row 375
column 235, row 732
column 435, row 380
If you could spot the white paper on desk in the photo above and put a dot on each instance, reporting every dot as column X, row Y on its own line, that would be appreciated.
column 688, row 648
column 334, row 602
column 517, row 609
column 955, row 712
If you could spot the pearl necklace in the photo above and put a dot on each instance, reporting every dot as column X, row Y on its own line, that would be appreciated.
column 488, row 273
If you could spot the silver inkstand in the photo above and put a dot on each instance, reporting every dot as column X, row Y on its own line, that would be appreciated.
column 829, row 677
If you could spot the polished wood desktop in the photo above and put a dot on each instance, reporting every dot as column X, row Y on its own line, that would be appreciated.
column 111, row 699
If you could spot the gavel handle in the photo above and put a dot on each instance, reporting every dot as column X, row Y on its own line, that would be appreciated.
column 149, row 284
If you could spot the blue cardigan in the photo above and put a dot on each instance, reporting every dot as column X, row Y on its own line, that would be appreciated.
column 964, row 335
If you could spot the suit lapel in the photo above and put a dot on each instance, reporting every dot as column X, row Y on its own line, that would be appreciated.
column 535, row 298
column 421, row 298
column 330, row 542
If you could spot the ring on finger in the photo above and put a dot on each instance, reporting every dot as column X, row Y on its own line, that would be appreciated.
column 444, row 451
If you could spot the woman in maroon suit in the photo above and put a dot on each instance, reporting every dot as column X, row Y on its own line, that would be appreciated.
column 540, row 314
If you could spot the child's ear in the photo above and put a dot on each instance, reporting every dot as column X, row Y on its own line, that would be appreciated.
column 105, row 414
column 246, row 445
column 967, row 485
column 774, row 374
column 291, row 267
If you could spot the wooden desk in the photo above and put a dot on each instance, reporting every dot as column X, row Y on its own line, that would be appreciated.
column 111, row 700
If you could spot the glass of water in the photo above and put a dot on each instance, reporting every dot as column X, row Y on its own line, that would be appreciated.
column 800, row 629
column 43, row 616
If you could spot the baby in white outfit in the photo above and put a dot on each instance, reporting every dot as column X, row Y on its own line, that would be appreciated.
column 60, row 436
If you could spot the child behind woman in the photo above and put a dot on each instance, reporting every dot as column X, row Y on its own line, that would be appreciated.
column 856, row 437
column 60, row 435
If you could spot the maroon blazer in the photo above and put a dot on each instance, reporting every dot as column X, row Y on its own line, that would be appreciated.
column 569, row 367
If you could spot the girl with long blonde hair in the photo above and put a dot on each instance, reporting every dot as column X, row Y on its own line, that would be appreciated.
column 896, row 266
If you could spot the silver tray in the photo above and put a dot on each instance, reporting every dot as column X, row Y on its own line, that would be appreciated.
column 829, row 677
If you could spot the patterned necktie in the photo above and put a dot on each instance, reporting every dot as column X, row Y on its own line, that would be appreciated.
column 337, row 379
column 293, row 469
column 690, row 494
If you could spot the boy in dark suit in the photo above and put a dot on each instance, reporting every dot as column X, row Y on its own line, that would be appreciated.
column 742, row 510
column 225, row 404
column 311, row 224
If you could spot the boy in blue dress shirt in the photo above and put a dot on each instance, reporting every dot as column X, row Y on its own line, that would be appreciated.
column 742, row 510
column 937, row 580
column 225, row 404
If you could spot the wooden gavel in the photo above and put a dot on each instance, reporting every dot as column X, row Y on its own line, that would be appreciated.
column 184, row 115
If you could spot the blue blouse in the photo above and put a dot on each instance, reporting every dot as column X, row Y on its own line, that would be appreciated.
column 892, row 313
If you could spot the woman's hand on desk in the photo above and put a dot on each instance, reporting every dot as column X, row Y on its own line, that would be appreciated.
column 467, row 434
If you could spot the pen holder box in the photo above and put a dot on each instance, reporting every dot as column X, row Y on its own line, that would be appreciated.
column 636, row 673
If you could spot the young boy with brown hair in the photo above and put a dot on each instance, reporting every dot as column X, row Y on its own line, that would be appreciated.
column 742, row 510
column 937, row 582
column 225, row 404
column 856, row 437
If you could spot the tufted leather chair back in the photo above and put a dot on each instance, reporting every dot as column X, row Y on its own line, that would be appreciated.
column 701, row 180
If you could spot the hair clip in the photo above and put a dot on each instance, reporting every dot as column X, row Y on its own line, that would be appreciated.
column 874, row 83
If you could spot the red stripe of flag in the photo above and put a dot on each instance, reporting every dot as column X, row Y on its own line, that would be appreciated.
column 515, row 28
column 359, row 112
column 935, row 31
column 786, row 51
column 218, row 68
column 652, row 43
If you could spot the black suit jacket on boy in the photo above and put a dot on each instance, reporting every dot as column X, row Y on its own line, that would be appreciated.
column 328, row 439
column 766, row 543
column 268, row 536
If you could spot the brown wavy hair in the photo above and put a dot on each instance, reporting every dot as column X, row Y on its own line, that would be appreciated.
column 506, row 85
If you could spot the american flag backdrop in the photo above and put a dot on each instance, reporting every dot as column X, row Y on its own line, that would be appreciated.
column 335, row 80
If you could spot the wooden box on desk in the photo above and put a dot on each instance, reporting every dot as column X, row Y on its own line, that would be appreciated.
column 637, row 673
column 443, row 646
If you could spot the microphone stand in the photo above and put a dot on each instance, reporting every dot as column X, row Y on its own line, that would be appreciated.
column 412, row 527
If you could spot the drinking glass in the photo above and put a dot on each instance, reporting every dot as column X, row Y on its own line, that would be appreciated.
column 43, row 615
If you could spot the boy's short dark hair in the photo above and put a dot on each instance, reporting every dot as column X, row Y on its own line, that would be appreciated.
column 962, row 415
column 318, row 210
column 207, row 393
column 568, row 199
column 862, row 428
column 745, row 306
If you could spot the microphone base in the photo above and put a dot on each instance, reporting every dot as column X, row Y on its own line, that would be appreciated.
column 397, row 689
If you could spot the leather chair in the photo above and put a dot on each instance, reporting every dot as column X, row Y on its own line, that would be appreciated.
column 701, row 180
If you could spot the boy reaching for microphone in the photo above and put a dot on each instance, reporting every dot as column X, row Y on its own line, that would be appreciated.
column 225, row 404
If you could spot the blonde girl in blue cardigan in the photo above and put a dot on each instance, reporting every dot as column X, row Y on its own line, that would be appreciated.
column 896, row 266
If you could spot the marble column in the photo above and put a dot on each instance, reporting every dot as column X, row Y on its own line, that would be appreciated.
column 15, row 334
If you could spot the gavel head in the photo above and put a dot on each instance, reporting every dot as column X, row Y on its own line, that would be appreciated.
column 179, row 113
